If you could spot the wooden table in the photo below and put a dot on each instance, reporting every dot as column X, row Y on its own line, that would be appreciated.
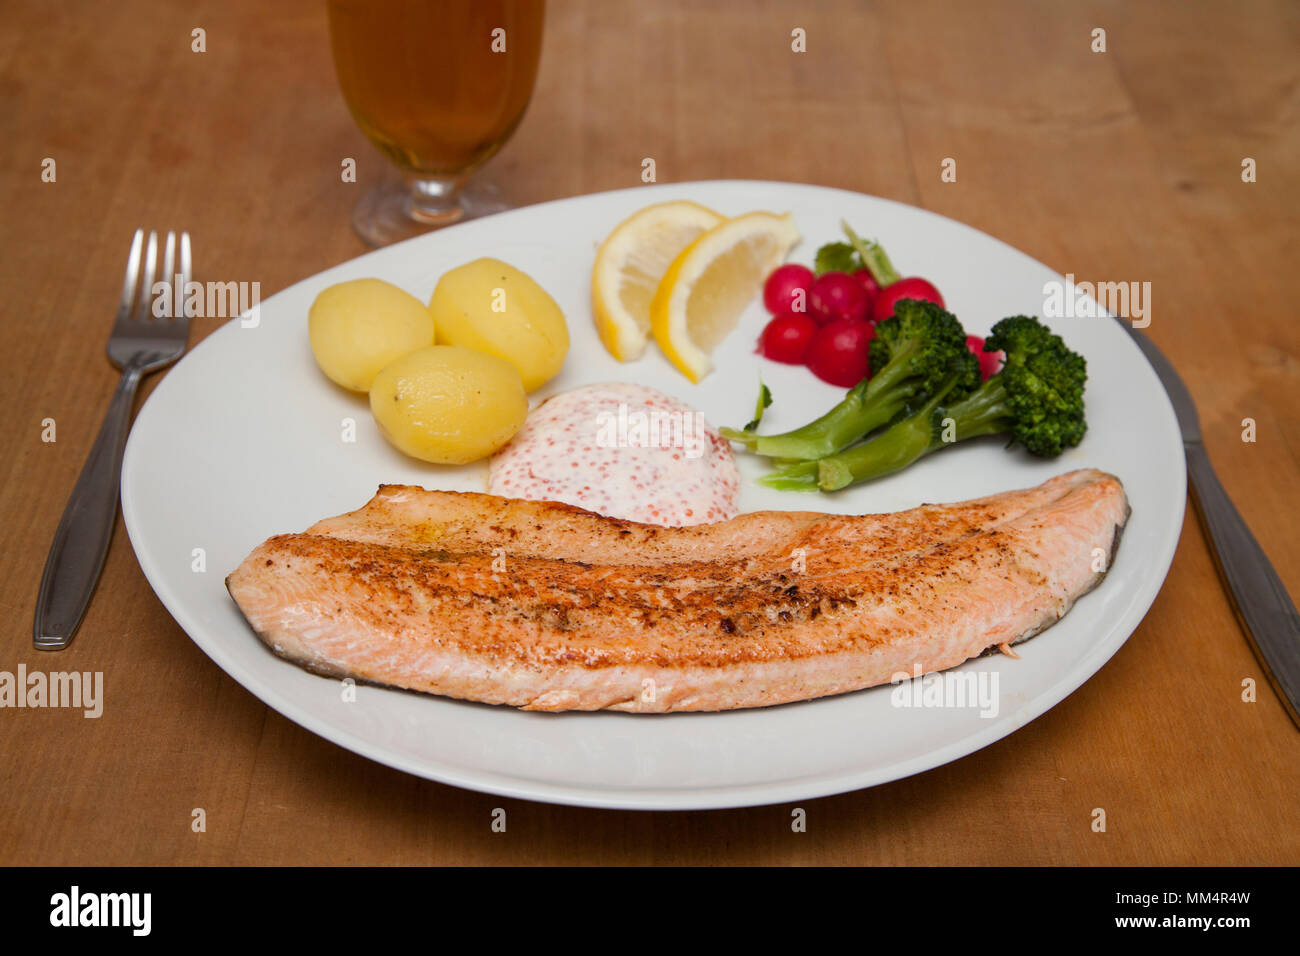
column 1122, row 165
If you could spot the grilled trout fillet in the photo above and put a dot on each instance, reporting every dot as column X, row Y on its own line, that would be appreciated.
column 545, row 606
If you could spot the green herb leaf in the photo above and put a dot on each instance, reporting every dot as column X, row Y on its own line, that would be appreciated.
column 764, row 400
column 836, row 257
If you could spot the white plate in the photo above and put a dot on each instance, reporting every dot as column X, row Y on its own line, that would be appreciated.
column 243, row 439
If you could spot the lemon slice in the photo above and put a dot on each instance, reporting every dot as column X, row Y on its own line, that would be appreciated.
column 629, row 265
column 709, row 284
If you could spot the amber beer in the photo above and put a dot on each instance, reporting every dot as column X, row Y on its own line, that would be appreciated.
column 438, row 85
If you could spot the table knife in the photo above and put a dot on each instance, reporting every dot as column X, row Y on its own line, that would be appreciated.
column 1267, row 614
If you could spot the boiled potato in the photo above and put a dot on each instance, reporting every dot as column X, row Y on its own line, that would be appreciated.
column 358, row 327
column 495, row 308
column 448, row 404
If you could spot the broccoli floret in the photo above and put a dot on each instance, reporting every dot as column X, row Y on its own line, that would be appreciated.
column 927, row 337
column 1036, row 399
column 914, row 353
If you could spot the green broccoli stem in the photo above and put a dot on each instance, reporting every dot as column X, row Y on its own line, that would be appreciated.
column 892, row 450
column 873, row 257
column 817, row 438
column 869, row 405
column 983, row 412
column 795, row 476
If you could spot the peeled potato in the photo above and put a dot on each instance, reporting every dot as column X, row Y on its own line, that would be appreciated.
column 493, row 307
column 358, row 327
column 448, row 404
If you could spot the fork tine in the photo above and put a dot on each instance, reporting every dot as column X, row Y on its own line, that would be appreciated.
column 186, row 262
column 144, row 300
column 132, row 274
column 169, row 272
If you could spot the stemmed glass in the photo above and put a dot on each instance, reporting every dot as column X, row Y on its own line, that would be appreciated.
column 438, row 86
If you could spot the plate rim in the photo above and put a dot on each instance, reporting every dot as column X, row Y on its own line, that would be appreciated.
column 713, row 797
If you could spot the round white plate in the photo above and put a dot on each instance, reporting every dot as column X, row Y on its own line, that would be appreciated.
column 244, row 439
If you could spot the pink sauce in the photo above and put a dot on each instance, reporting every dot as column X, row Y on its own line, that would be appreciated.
column 621, row 450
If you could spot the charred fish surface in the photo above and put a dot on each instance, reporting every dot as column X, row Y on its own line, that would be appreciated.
column 548, row 607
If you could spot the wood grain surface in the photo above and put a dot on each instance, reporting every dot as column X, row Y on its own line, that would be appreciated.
column 1124, row 165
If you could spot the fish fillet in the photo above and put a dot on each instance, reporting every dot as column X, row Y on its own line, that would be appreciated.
column 545, row 606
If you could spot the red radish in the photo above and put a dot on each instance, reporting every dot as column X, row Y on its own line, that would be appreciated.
column 893, row 287
column 787, row 337
column 837, row 295
column 869, row 283
column 786, row 289
column 912, row 288
column 838, row 352
column 990, row 362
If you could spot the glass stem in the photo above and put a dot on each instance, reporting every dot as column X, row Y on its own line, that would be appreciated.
column 435, row 200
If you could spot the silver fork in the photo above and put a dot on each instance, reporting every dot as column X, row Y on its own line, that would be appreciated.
column 140, row 343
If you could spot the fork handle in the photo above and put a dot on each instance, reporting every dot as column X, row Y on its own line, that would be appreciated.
column 1258, row 595
column 81, row 541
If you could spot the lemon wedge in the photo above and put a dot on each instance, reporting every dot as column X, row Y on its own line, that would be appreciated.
column 711, row 281
column 629, row 265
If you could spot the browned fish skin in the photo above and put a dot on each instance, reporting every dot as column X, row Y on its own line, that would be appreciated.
column 548, row 607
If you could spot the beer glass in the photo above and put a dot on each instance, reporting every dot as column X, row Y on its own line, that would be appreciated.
column 438, row 86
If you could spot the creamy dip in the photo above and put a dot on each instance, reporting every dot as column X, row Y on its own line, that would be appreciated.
column 626, row 451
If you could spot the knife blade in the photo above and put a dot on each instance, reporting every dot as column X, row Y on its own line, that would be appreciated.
column 1266, row 612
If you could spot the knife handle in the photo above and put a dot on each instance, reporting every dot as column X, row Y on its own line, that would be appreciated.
column 1261, row 602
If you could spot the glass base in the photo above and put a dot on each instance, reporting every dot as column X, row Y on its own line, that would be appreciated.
column 389, row 212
